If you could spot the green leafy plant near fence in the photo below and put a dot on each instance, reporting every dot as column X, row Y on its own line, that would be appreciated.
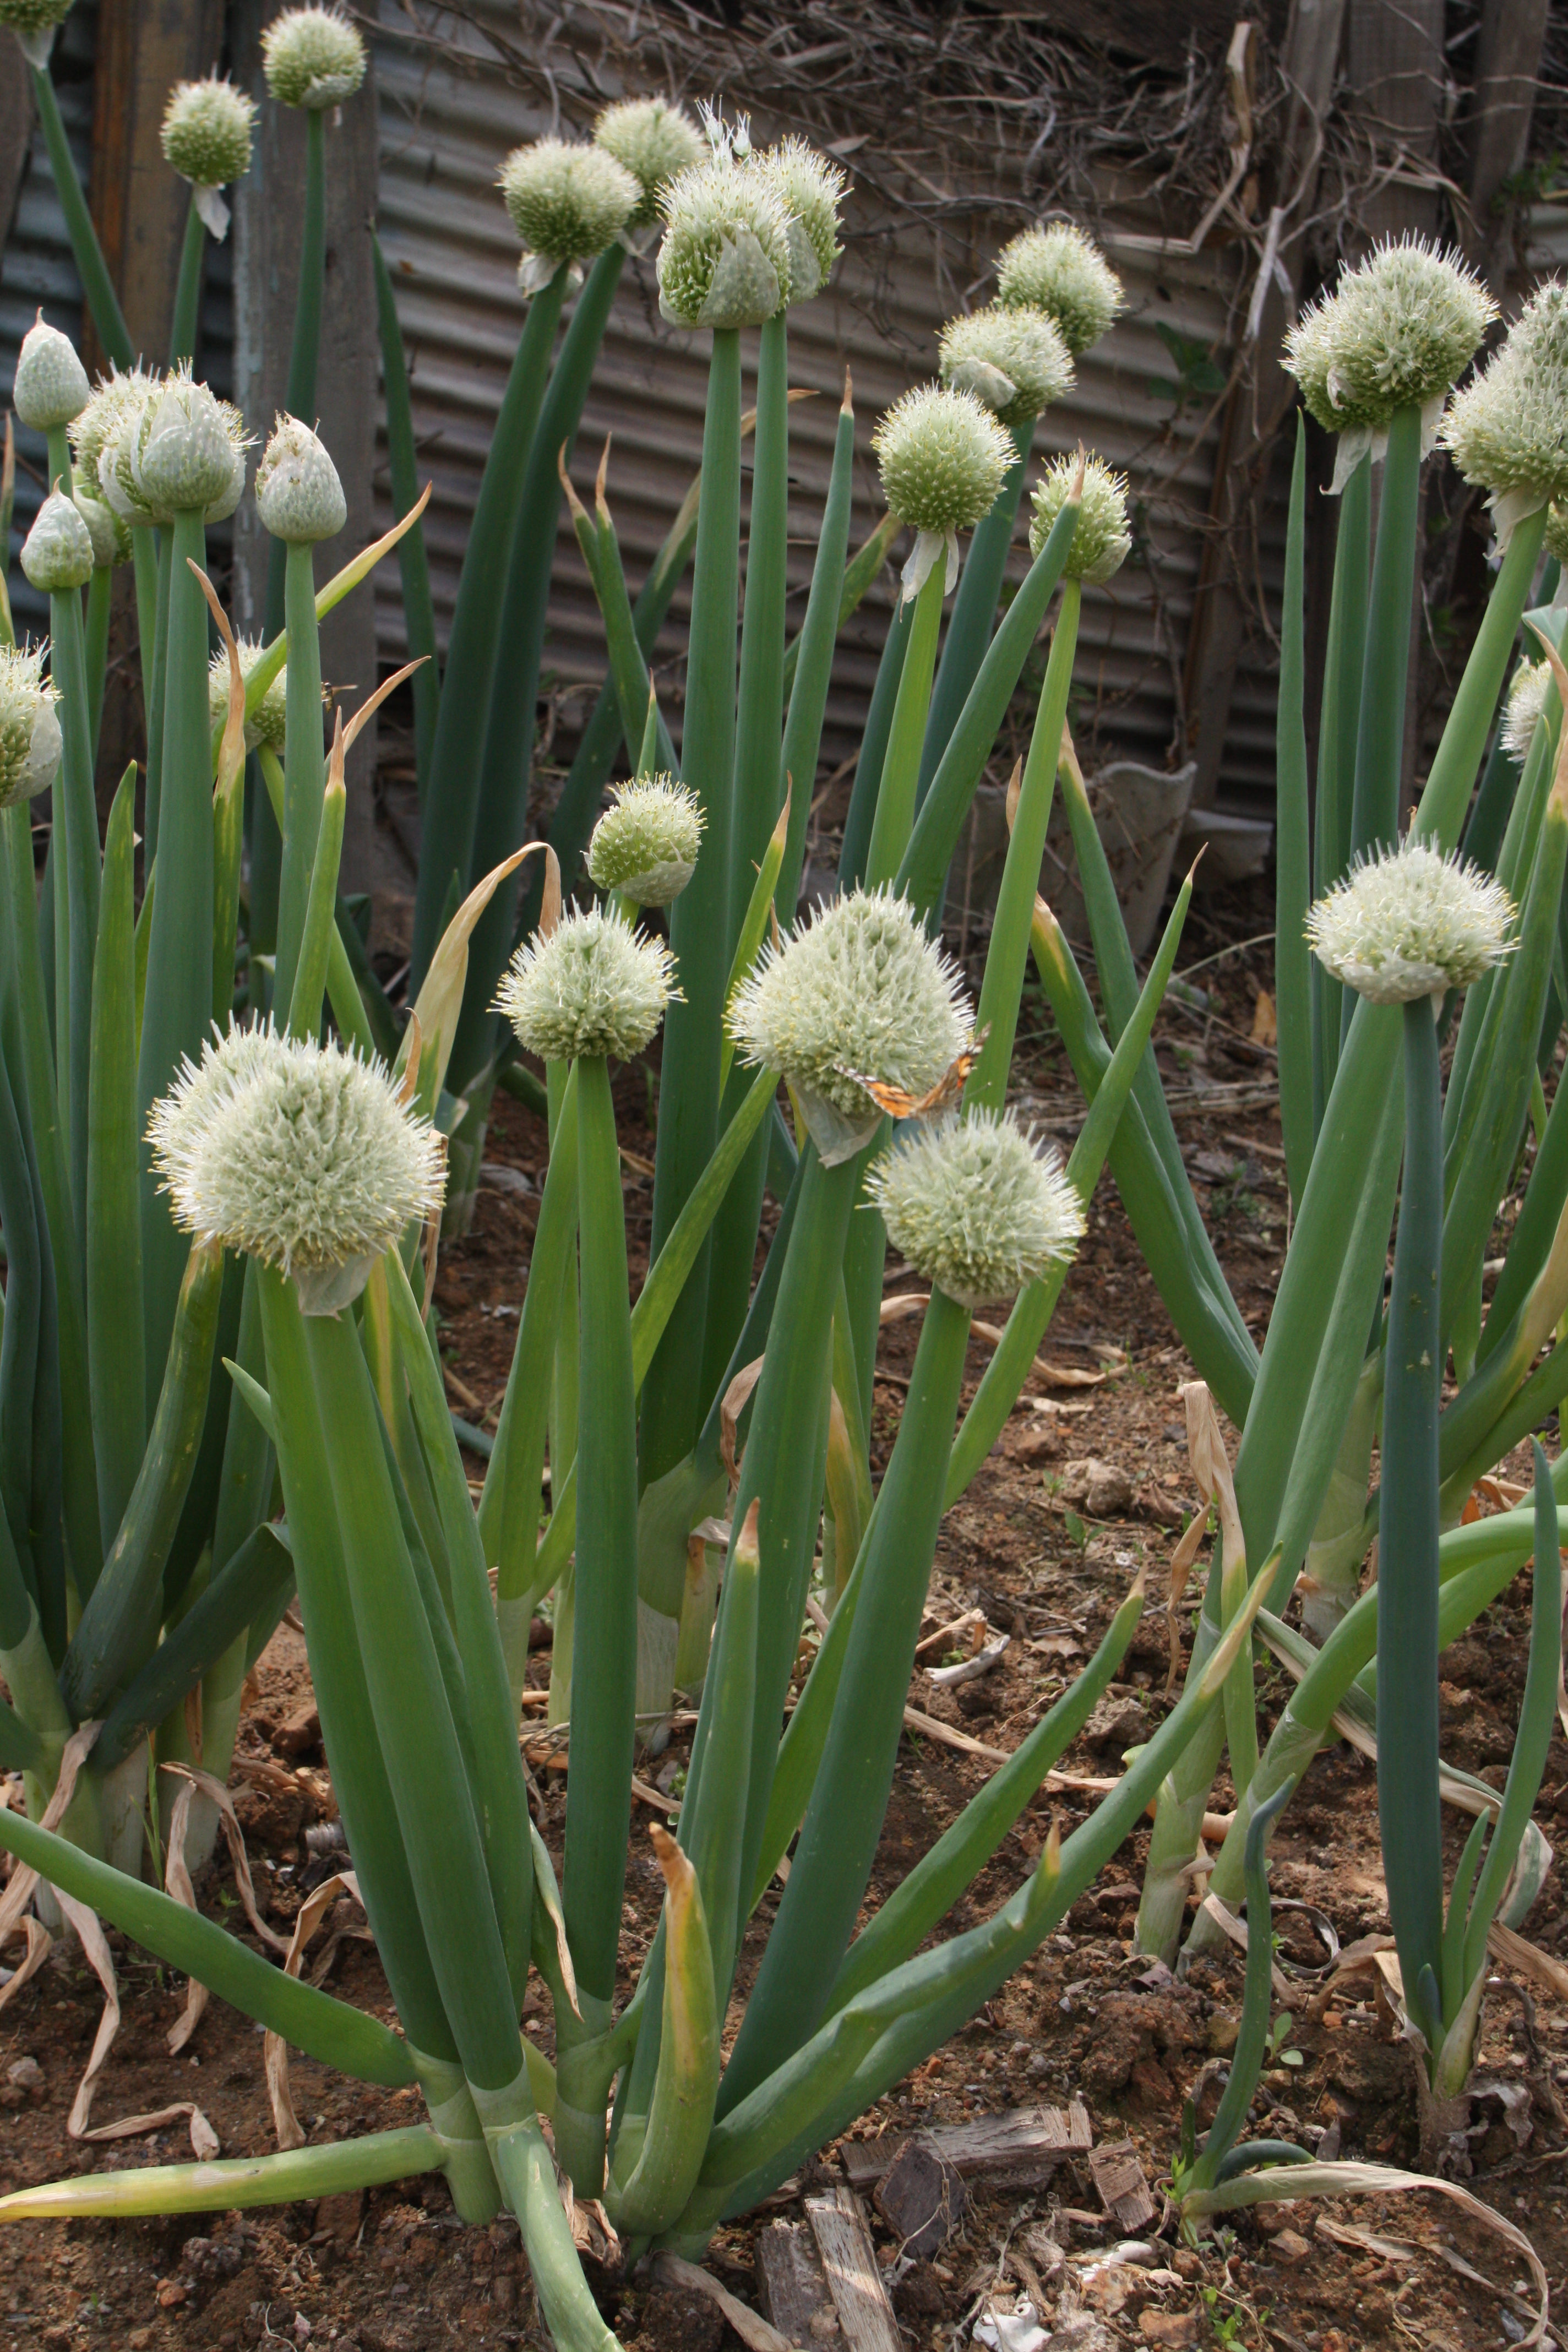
column 268, row 1194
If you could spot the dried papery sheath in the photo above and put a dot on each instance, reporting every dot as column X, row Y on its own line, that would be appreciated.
column 566, row 203
column 312, row 57
column 1526, row 699
column 1016, row 360
column 653, row 141
column 58, row 552
column 594, row 988
column 35, row 23
column 297, row 494
column 51, row 386
column 30, row 741
column 1411, row 923
column 975, row 1208
column 1508, row 431
column 859, row 989
column 645, row 845
column 264, row 724
column 297, row 1154
column 943, row 457
column 1396, row 333
column 1101, row 543
column 1061, row 271
column 206, row 139
column 811, row 190
column 724, row 258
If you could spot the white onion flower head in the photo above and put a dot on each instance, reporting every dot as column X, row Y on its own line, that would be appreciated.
column 645, row 845
column 51, row 387
column 724, row 258
column 653, row 140
column 35, row 23
column 858, row 992
column 30, row 741
column 297, row 494
column 567, row 202
column 110, row 538
column 594, row 989
column 1102, row 541
column 1411, row 923
column 975, row 1208
column 943, row 457
column 1397, row 331
column 265, row 725
column 94, row 433
column 1016, row 360
column 1508, row 430
column 1526, row 700
column 1064, row 273
column 206, row 132
column 179, row 450
column 312, row 57
column 58, row 552
column 299, row 1154
column 811, row 189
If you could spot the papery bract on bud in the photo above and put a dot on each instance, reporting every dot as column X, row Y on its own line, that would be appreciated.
column 51, row 386
column 297, row 494
column 58, row 552
column 724, row 258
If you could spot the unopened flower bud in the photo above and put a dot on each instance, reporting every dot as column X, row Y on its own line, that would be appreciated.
column 1508, row 430
column 1101, row 543
column 51, row 386
column 724, row 261
column 646, row 846
column 110, row 538
column 1016, row 360
column 297, row 494
column 58, row 552
column 188, row 456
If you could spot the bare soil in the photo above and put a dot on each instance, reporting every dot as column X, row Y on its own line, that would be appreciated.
column 395, row 2272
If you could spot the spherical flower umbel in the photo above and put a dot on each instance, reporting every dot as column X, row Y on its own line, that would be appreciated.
column 299, row 1154
column 264, row 725
column 724, row 258
column 975, row 1208
column 51, row 386
column 811, row 189
column 177, row 449
column 206, row 132
column 858, row 992
column 1508, row 430
column 297, row 494
column 1061, row 271
column 30, row 741
column 312, row 57
column 1016, row 360
column 34, row 23
column 93, row 433
column 1396, row 333
column 646, row 844
column 567, row 202
column 1521, row 714
column 58, row 552
column 594, row 989
column 1411, row 923
column 943, row 456
column 1102, row 541
column 653, row 140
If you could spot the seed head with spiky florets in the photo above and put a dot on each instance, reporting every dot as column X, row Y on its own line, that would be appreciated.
column 593, row 989
column 1014, row 360
column 206, row 132
column 943, row 457
column 1508, row 430
column 1396, row 333
column 264, row 724
column 58, row 552
column 1521, row 714
column 567, row 204
column 297, row 1154
column 811, row 190
column 1101, row 543
column 312, row 57
column 94, row 433
column 51, row 386
column 646, row 844
column 861, row 991
column 975, row 1208
column 1061, row 271
column 30, row 742
column 1410, row 923
column 653, row 140
column 177, row 449
column 297, row 494
column 724, row 258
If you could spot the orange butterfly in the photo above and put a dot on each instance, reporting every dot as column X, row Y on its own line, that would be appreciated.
column 943, row 1096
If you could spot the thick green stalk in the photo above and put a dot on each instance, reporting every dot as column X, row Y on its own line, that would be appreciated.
column 96, row 284
column 153, row 689
column 837, row 1842
column 1440, row 811
column 77, row 879
column 144, row 566
column 813, row 652
column 1409, row 1809
column 258, row 1577
column 857, row 842
column 413, row 564
column 236, row 2183
column 452, row 800
column 304, row 766
column 973, row 611
column 894, row 820
column 1293, row 868
column 318, row 927
column 100, row 599
column 528, row 2177
column 115, row 1339
column 1380, row 732
column 188, row 287
column 20, row 1361
column 1252, row 2042
column 700, row 920
column 598, row 1792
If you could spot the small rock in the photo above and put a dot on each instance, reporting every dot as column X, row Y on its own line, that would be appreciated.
column 1117, row 1723
column 1290, row 2248
column 1041, row 1443
column 1098, row 1487
column 172, row 2292
column 302, row 1731
column 503, row 1179
column 27, row 2073
column 139, row 2339
column 1168, row 2326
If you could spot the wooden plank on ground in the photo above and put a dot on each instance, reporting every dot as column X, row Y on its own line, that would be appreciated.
column 1033, row 2140
column 838, row 2225
column 792, row 2289
column 1118, row 2175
